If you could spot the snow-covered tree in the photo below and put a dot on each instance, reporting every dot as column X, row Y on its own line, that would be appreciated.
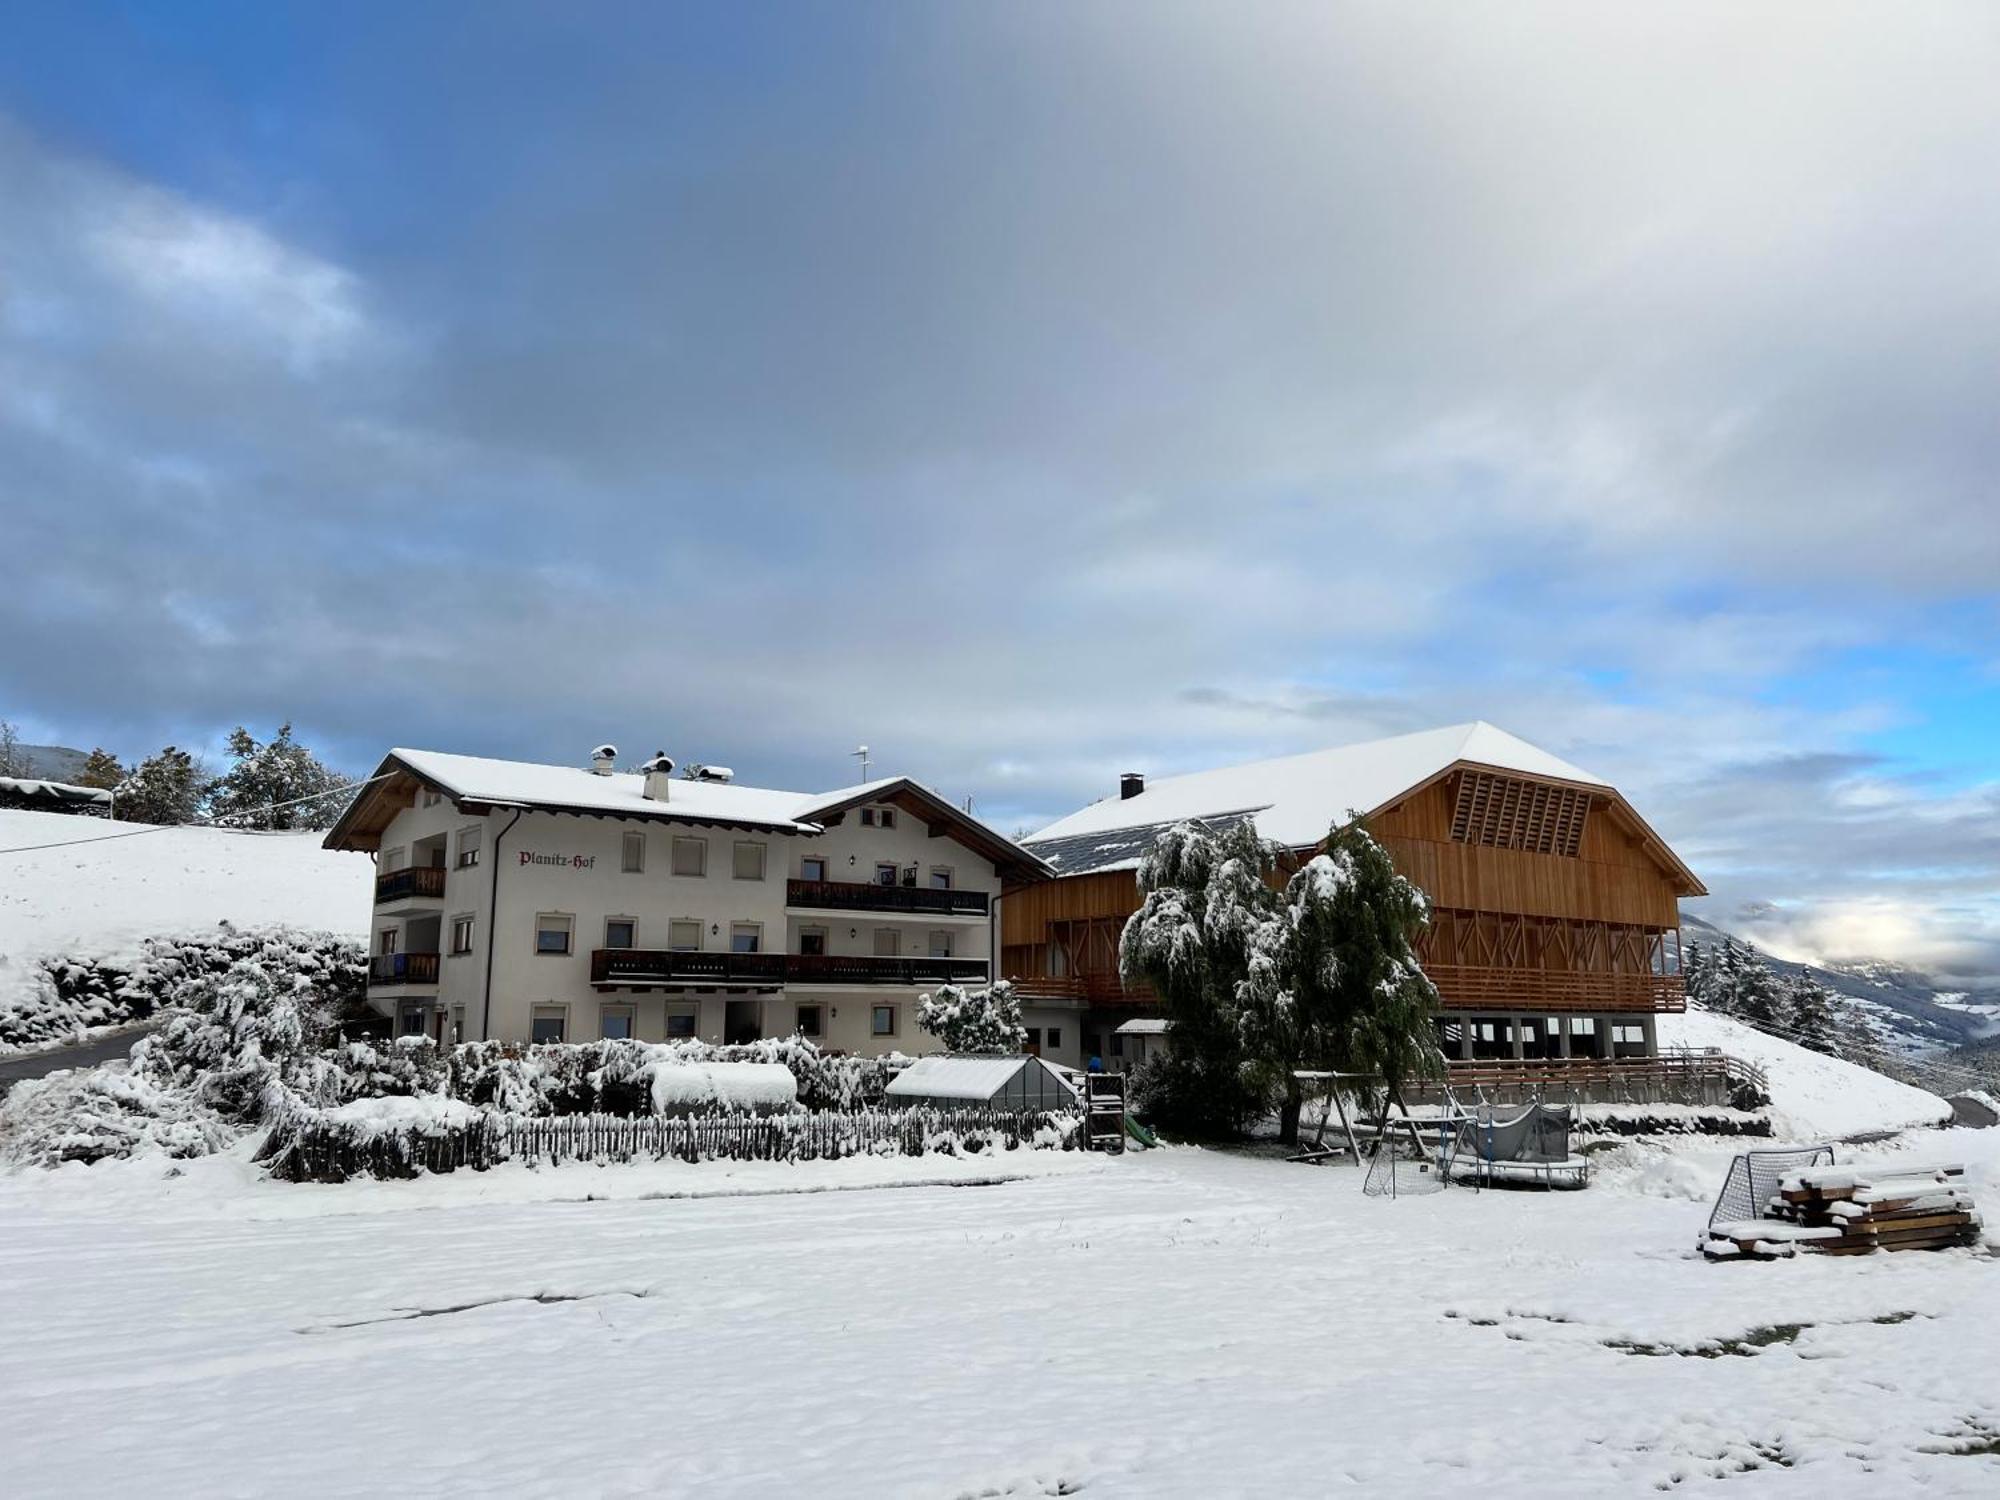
column 1204, row 895
column 13, row 761
column 280, row 771
column 101, row 770
column 163, row 788
column 1810, row 1014
column 1757, row 999
column 978, row 1021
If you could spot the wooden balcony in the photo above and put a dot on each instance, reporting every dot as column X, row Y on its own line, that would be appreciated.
column 1096, row 988
column 423, row 882
column 1535, row 991
column 655, row 966
column 403, row 968
column 862, row 895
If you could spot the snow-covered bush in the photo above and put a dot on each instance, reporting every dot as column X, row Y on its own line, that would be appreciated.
column 616, row 1077
column 94, row 1113
column 976, row 1021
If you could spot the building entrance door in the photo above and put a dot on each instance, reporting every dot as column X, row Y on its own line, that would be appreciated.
column 742, row 1021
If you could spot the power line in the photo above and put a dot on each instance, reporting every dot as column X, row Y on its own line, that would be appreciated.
column 218, row 822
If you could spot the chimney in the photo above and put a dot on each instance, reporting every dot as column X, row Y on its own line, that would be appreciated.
column 603, row 760
column 1130, row 785
column 659, row 776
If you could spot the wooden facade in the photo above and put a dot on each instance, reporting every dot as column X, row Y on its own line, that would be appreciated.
column 1548, row 898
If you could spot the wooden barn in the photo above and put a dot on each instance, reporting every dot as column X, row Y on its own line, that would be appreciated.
column 1555, row 937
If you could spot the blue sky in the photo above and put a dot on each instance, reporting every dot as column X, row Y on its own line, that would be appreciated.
column 1035, row 392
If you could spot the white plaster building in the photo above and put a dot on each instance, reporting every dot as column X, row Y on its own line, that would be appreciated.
column 527, row 902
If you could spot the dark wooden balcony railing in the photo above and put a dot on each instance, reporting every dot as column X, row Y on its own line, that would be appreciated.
column 861, row 895
column 663, row 966
column 403, row 968
column 1095, row 988
column 422, row 880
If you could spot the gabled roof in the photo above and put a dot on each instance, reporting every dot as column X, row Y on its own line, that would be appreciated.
column 1295, row 799
column 478, row 783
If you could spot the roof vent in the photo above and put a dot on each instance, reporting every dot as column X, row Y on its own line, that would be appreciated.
column 604, row 759
column 700, row 772
column 1130, row 785
column 659, row 774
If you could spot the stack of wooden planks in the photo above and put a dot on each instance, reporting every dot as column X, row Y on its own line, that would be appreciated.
column 1853, row 1210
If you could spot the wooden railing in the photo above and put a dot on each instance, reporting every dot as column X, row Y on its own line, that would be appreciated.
column 420, row 880
column 403, row 968
column 1466, row 987
column 615, row 966
column 862, row 895
column 1685, row 1065
column 1092, row 989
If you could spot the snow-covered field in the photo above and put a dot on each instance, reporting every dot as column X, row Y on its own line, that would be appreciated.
column 1181, row 1323
column 103, row 900
column 1817, row 1097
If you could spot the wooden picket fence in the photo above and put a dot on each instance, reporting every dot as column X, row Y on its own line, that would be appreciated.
column 306, row 1146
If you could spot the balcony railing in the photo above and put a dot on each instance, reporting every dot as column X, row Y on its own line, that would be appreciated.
column 1471, row 987
column 664, row 966
column 861, row 895
column 1095, row 988
column 422, row 880
column 403, row 968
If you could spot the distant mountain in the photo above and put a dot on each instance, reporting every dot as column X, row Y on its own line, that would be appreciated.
column 1918, row 1016
column 54, row 762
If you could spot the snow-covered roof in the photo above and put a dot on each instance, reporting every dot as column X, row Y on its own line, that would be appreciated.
column 1143, row 1026
column 482, row 781
column 947, row 1077
column 52, row 791
column 1293, row 800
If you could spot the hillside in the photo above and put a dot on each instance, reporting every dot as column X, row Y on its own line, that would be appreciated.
column 104, row 899
column 1815, row 1097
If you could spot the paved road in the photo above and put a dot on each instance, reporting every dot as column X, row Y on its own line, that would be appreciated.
column 35, row 1064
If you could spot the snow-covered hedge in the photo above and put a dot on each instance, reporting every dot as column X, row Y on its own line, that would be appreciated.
column 439, row 1135
column 71, row 996
column 617, row 1077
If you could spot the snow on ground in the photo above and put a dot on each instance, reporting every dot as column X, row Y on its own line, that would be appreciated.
column 103, row 900
column 1180, row 1323
column 1817, row 1097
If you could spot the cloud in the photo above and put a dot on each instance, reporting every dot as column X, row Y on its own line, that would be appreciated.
column 1033, row 395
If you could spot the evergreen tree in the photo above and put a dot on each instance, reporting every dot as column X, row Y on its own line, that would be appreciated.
column 1333, row 979
column 163, row 788
column 281, row 771
column 974, row 1021
column 101, row 770
column 1189, row 942
column 1810, row 1015
column 1698, row 974
column 1757, row 999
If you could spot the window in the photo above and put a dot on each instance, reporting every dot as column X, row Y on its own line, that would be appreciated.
column 910, row 876
column 813, row 867
column 690, row 856
column 385, row 942
column 745, row 937
column 812, row 940
column 468, row 848
column 940, row 945
column 432, row 796
column 885, row 817
column 614, row 1022
column 457, row 1024
column 888, row 942
column 682, row 1016
column 1055, row 1037
column 867, row 817
column 940, row 878
column 809, row 1021
column 552, row 932
column 1034, row 1041
column 619, row 932
column 882, row 1021
column 684, row 936
column 390, row 862
column 885, row 874
column 634, row 857
column 549, row 1023
column 749, row 861
column 461, row 935
column 410, row 1022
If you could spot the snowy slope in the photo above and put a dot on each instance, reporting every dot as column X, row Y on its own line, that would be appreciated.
column 102, row 900
column 1822, row 1098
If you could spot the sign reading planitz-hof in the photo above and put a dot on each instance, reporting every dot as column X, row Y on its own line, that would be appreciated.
column 566, row 861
